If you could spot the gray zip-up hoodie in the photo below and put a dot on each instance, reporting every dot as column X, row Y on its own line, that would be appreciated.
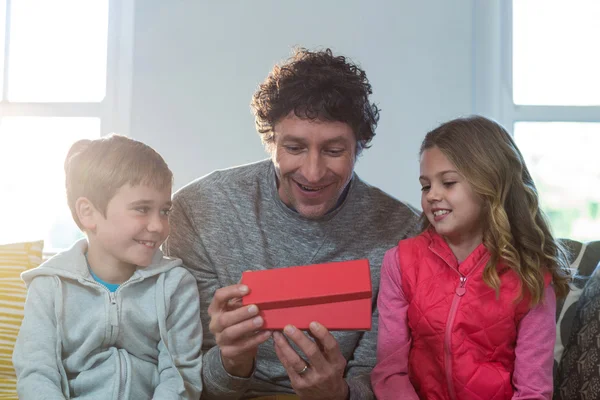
column 79, row 341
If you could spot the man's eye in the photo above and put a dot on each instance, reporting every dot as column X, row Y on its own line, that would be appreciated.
column 335, row 152
column 293, row 149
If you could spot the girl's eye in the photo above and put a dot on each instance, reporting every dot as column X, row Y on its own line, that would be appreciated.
column 166, row 211
column 449, row 184
column 425, row 188
column 143, row 210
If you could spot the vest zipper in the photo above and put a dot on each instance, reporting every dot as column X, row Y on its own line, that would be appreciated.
column 460, row 291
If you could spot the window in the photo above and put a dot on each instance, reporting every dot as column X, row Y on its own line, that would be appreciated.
column 65, row 73
column 538, row 73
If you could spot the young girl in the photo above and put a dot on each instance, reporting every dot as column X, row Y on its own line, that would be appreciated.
column 466, row 309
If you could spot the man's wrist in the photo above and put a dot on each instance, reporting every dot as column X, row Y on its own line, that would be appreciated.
column 238, row 368
column 345, row 395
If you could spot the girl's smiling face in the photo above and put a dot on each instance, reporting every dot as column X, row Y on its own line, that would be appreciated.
column 449, row 201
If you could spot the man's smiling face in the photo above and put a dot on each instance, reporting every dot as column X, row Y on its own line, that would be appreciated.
column 314, row 162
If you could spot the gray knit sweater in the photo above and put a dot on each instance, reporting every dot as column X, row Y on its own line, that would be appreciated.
column 233, row 220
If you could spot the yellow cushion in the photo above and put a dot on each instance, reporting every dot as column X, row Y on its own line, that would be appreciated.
column 14, row 259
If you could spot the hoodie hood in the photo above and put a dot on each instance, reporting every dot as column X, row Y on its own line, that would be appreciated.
column 72, row 264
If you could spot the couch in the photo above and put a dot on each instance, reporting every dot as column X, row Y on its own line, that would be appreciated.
column 576, row 354
column 577, row 350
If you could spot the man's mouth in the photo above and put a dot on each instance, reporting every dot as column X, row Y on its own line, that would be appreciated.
column 310, row 188
column 147, row 243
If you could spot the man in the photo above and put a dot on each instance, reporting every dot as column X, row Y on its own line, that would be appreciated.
column 305, row 205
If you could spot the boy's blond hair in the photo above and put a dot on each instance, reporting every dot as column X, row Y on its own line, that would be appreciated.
column 97, row 169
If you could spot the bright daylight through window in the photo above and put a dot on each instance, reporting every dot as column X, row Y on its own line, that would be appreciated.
column 555, row 108
column 53, row 56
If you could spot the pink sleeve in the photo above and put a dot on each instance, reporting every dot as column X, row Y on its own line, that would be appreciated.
column 390, row 375
column 534, row 361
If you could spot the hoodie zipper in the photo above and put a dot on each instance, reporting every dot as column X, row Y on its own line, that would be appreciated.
column 123, row 376
column 114, row 317
column 114, row 326
column 114, row 331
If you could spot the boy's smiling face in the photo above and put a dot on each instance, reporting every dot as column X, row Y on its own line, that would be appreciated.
column 135, row 225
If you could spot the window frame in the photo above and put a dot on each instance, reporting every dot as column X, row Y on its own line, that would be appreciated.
column 492, row 86
column 493, row 67
column 114, row 110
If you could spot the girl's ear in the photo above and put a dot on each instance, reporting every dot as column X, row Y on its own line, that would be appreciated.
column 87, row 214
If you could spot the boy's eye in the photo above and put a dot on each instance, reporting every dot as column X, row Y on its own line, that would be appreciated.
column 166, row 211
column 425, row 188
column 143, row 210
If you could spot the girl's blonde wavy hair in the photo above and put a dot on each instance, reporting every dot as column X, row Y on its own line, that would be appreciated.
column 515, row 229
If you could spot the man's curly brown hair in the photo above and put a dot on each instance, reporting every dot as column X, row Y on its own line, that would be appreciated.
column 316, row 86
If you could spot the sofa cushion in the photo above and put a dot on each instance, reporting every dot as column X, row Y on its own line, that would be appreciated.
column 578, row 374
column 14, row 259
column 583, row 258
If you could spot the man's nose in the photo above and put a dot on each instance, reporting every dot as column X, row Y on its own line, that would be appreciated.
column 314, row 167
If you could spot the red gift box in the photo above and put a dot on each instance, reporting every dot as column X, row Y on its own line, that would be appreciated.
column 337, row 295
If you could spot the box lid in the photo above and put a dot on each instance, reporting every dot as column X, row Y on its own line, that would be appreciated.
column 309, row 284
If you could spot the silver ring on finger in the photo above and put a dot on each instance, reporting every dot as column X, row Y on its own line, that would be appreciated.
column 303, row 370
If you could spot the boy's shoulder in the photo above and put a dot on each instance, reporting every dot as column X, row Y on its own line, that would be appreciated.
column 69, row 263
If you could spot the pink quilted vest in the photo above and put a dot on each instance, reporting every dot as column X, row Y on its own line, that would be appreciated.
column 463, row 335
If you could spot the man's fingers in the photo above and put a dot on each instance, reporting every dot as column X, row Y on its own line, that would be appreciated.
column 235, row 332
column 245, row 345
column 234, row 304
column 291, row 361
column 308, row 347
column 326, row 341
column 228, row 319
column 224, row 295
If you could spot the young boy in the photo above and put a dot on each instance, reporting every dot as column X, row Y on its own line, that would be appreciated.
column 112, row 318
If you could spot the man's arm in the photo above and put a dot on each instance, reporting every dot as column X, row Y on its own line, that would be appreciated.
column 358, row 370
column 36, row 356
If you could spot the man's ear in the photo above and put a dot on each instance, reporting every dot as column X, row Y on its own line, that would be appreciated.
column 87, row 213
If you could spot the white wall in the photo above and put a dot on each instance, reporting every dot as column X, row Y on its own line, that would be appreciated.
column 197, row 63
